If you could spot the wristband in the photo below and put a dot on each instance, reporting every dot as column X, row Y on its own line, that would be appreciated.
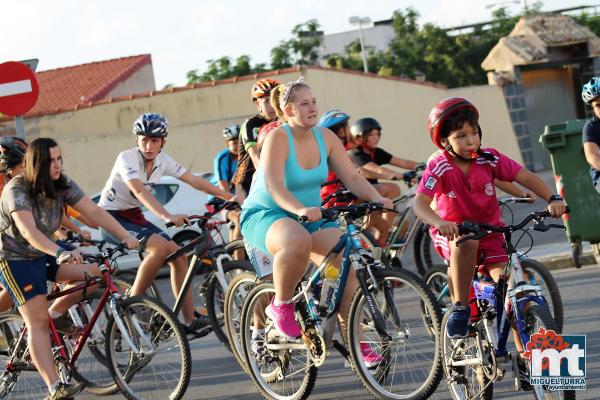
column 555, row 197
column 59, row 251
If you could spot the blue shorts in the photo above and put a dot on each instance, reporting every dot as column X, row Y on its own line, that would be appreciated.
column 25, row 279
column 255, row 223
column 137, row 231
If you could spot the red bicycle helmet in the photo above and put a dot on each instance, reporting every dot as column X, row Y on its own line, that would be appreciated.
column 263, row 88
column 265, row 130
column 440, row 112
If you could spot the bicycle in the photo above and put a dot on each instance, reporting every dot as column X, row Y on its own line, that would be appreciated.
column 213, row 267
column 135, row 343
column 473, row 364
column 425, row 255
column 405, row 228
column 382, row 315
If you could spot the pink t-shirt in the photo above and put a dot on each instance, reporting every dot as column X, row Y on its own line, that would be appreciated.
column 471, row 196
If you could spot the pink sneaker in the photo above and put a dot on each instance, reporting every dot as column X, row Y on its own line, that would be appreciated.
column 370, row 357
column 283, row 317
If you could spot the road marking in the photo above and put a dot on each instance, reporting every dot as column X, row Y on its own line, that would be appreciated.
column 17, row 87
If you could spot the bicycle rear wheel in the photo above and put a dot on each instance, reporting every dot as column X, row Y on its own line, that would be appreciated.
column 237, row 292
column 409, row 366
column 280, row 368
column 24, row 382
column 215, row 298
column 151, row 359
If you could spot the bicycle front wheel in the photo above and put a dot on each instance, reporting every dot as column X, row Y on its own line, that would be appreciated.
column 280, row 368
column 539, row 274
column 148, row 353
column 405, row 364
column 537, row 317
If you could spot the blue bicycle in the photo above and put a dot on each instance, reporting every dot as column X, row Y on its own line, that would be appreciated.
column 385, row 315
column 474, row 363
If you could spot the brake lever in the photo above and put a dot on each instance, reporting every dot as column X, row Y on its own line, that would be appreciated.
column 541, row 227
column 560, row 226
column 473, row 236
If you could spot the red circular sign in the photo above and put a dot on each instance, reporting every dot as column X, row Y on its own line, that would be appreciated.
column 19, row 88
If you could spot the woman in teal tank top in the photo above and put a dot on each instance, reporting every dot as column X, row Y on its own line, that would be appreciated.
column 295, row 159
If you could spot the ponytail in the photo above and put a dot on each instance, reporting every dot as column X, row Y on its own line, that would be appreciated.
column 276, row 98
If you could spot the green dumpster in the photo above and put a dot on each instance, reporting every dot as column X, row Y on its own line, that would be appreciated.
column 574, row 183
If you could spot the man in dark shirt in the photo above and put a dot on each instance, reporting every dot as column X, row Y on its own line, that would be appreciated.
column 247, row 150
column 370, row 158
column 591, row 130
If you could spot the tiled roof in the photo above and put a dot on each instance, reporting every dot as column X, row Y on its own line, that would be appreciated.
column 70, row 87
column 533, row 36
column 92, row 103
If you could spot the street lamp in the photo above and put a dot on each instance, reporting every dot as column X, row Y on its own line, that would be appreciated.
column 366, row 22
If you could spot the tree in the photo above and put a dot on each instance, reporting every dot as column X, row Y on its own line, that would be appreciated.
column 223, row 68
column 302, row 48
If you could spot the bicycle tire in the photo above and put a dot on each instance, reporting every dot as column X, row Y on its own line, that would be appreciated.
column 128, row 276
column 95, row 371
column 236, row 294
column 267, row 367
column 556, row 303
column 236, row 244
column 160, row 325
column 409, row 291
column 459, row 384
column 419, row 249
column 215, row 298
column 537, row 316
column 27, row 383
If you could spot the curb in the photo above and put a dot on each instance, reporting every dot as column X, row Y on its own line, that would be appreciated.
column 564, row 261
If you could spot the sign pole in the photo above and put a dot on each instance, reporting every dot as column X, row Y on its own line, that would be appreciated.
column 20, row 126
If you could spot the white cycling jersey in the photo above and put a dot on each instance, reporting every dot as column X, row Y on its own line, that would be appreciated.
column 116, row 195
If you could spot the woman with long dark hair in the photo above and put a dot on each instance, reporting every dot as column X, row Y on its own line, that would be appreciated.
column 31, row 208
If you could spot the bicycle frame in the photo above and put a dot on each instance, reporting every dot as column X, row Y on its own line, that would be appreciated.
column 349, row 243
column 111, row 290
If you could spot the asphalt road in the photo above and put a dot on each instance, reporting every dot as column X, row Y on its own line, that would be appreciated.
column 216, row 375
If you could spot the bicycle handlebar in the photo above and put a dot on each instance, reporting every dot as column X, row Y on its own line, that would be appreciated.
column 112, row 252
column 515, row 200
column 217, row 204
column 476, row 231
column 331, row 214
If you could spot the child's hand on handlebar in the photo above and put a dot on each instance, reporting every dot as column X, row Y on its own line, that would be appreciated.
column 557, row 208
column 447, row 229
column 178, row 220
column 131, row 243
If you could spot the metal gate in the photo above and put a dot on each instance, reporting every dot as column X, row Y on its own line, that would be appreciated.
column 550, row 99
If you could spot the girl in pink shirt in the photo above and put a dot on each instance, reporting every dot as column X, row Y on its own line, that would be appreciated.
column 461, row 180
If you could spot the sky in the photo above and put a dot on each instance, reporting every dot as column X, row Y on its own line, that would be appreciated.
column 181, row 35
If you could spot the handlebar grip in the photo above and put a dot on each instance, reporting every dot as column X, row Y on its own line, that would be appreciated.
column 567, row 210
column 302, row 218
column 169, row 224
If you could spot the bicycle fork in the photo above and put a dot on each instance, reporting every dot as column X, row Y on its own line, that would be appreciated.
column 145, row 342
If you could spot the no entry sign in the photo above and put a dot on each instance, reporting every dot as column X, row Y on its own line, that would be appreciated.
column 19, row 88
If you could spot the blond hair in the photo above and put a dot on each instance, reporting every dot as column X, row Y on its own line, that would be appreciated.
column 284, row 94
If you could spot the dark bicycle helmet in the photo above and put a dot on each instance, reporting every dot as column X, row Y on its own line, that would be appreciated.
column 333, row 118
column 591, row 90
column 151, row 125
column 363, row 125
column 12, row 151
